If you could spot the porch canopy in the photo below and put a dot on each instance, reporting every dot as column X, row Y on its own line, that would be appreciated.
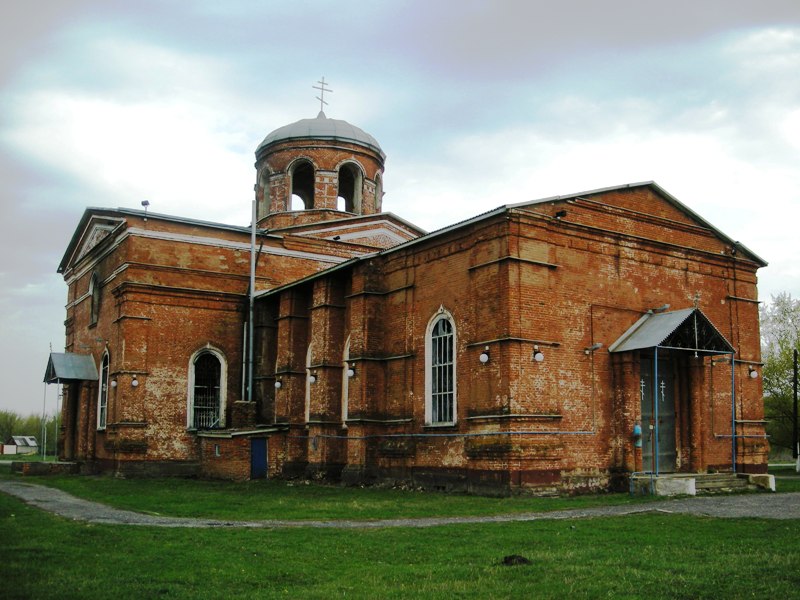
column 686, row 329
column 63, row 367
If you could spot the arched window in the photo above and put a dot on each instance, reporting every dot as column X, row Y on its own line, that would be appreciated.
column 440, row 370
column 102, row 401
column 350, row 185
column 207, row 384
column 94, row 293
column 303, row 184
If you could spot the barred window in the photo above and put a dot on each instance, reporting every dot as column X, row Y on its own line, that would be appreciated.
column 102, row 403
column 206, row 399
column 441, row 374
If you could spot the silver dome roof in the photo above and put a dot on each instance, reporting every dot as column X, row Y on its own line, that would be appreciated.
column 322, row 128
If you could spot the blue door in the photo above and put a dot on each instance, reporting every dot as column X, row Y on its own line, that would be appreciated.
column 258, row 458
column 665, row 396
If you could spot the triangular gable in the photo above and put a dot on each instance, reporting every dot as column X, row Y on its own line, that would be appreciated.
column 68, row 366
column 96, row 234
column 91, row 231
column 686, row 329
column 671, row 200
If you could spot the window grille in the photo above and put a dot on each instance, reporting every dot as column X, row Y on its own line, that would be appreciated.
column 102, row 408
column 206, row 392
column 442, row 389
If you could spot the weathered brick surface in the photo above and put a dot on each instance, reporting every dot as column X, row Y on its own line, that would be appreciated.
column 275, row 169
column 226, row 458
column 167, row 290
column 553, row 277
column 521, row 280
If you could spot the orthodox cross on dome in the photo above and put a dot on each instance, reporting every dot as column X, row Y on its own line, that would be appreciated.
column 322, row 87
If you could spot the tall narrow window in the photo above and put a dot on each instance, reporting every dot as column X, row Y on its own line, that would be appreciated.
column 207, row 391
column 102, row 403
column 440, row 376
column 94, row 294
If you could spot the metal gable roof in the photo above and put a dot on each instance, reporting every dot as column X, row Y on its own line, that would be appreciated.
column 687, row 328
column 68, row 366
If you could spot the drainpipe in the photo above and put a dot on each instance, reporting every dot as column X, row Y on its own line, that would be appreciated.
column 733, row 413
column 252, row 302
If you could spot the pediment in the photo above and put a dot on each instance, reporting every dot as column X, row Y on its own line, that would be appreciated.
column 93, row 230
column 94, row 235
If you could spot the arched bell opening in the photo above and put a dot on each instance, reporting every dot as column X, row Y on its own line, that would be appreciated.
column 351, row 183
column 302, row 186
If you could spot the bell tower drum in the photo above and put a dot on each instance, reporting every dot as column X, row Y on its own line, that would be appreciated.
column 317, row 170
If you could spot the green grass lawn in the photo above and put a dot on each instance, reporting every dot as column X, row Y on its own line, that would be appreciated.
column 258, row 500
column 787, row 479
column 642, row 556
column 650, row 555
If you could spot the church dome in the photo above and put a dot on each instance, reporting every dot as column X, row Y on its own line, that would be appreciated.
column 321, row 128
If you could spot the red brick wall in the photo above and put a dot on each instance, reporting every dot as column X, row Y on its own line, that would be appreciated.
column 514, row 281
column 168, row 290
column 225, row 458
column 526, row 279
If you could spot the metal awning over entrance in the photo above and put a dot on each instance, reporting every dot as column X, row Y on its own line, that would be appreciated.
column 63, row 367
column 687, row 330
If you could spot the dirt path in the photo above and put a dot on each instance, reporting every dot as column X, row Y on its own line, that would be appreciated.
column 767, row 506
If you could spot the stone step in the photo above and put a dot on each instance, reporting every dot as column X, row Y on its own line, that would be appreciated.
column 672, row 484
column 721, row 483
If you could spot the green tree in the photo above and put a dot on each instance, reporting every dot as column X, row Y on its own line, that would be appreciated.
column 780, row 336
column 9, row 421
column 12, row 423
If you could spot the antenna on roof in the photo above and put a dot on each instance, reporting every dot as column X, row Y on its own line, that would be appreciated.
column 145, row 203
column 322, row 89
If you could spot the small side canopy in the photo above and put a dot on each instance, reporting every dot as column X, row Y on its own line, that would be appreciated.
column 66, row 366
column 685, row 329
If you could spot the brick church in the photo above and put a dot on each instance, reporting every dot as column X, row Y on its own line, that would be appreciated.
column 526, row 348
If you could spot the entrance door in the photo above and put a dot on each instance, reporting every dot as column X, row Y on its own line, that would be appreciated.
column 665, row 397
column 258, row 458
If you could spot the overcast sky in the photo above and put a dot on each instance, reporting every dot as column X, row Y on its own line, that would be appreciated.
column 476, row 103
